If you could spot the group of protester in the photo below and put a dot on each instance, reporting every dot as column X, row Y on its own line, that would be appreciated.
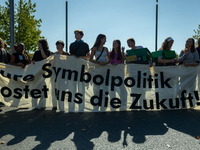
column 189, row 56
column 79, row 49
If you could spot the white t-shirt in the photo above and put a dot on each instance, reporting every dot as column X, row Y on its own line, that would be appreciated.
column 103, row 56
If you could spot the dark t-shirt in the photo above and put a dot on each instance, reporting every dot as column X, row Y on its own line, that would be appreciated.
column 9, row 57
column 3, row 56
column 38, row 56
column 20, row 58
column 79, row 49
column 198, row 50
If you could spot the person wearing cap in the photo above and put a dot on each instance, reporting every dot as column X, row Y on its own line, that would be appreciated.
column 42, row 52
column 79, row 48
column 59, row 46
column 20, row 59
column 167, row 45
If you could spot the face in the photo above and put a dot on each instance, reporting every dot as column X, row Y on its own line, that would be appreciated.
column 39, row 44
column 59, row 47
column 78, row 36
column 130, row 44
column 20, row 48
column 103, row 41
column 115, row 45
column 170, row 44
column 14, row 49
column 189, row 43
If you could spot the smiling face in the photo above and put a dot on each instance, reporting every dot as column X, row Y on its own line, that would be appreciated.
column 189, row 43
column 169, row 45
column 131, row 43
column 103, row 41
column 115, row 45
column 20, row 48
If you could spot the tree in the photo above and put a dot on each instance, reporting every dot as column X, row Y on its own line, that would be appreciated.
column 197, row 34
column 26, row 25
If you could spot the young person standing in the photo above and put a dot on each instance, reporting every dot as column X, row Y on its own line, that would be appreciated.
column 21, row 57
column 79, row 48
column 99, row 51
column 189, row 56
column 116, row 56
column 43, row 51
column 59, row 46
column 131, row 44
column 3, row 53
column 167, row 45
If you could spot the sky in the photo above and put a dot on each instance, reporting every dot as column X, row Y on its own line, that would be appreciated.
column 118, row 19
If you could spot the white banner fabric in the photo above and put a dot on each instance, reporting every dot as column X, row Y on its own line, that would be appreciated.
column 76, row 85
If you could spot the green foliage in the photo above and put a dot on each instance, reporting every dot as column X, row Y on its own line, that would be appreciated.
column 26, row 25
column 197, row 34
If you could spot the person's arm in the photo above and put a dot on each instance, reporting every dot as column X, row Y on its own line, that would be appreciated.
column 108, row 57
column 196, row 60
column 149, row 60
column 123, row 57
column 85, row 57
column 160, row 60
column 182, row 56
column 33, row 59
column 71, row 50
column 29, row 59
column 12, row 62
column 87, row 50
column 196, row 57
column 93, row 51
column 42, row 51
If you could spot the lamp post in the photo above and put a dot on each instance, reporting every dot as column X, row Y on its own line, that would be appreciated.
column 12, row 33
column 66, row 26
column 156, row 25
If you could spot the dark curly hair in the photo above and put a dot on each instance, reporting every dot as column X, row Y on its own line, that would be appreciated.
column 44, row 43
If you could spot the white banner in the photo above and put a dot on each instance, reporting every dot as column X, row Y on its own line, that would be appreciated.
column 76, row 85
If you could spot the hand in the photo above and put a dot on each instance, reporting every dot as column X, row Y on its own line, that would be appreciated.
column 193, row 64
column 115, row 64
column 25, row 52
column 101, row 63
column 173, row 60
column 76, row 57
column 33, row 62
column 186, row 52
column 186, row 64
column 176, row 61
column 22, row 65
column 40, row 46
column 123, row 48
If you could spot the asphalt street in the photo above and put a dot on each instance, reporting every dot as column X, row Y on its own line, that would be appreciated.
column 29, row 129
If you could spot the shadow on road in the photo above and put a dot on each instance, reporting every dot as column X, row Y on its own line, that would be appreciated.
column 49, row 126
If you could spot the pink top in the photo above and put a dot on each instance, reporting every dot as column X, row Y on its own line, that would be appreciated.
column 113, row 61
